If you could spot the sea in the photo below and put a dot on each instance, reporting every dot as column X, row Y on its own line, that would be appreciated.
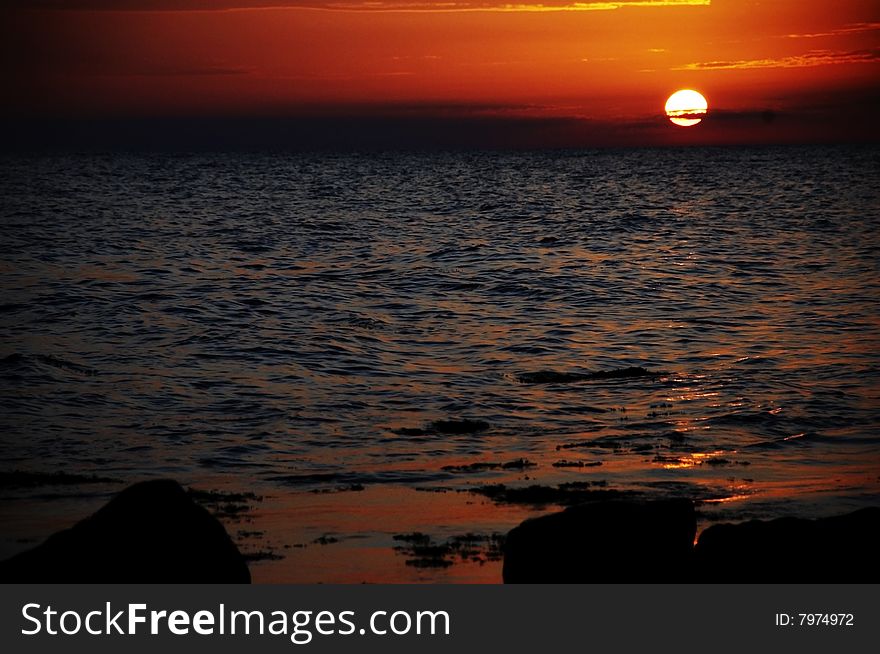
column 370, row 345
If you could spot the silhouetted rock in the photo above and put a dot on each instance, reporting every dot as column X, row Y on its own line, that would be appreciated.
column 841, row 549
column 151, row 532
column 602, row 542
column 553, row 377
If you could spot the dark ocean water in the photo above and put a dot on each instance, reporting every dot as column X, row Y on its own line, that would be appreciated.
column 274, row 320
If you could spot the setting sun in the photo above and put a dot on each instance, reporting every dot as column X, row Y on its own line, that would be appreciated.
column 686, row 108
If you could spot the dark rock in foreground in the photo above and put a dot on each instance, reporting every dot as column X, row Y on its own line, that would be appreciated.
column 553, row 377
column 602, row 542
column 841, row 549
column 630, row 541
column 151, row 532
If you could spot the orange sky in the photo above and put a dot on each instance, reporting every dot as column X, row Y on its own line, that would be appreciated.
column 772, row 69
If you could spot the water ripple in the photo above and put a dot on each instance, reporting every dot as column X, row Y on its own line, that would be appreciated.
column 297, row 315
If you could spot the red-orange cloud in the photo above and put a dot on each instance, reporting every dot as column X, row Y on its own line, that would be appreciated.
column 353, row 5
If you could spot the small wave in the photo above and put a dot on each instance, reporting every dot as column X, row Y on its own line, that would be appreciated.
column 794, row 439
column 345, row 478
column 445, row 427
column 17, row 363
column 12, row 308
column 555, row 377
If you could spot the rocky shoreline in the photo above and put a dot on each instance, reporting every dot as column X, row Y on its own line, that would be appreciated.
column 626, row 541
column 157, row 532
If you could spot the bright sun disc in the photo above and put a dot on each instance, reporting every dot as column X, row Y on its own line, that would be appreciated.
column 686, row 108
